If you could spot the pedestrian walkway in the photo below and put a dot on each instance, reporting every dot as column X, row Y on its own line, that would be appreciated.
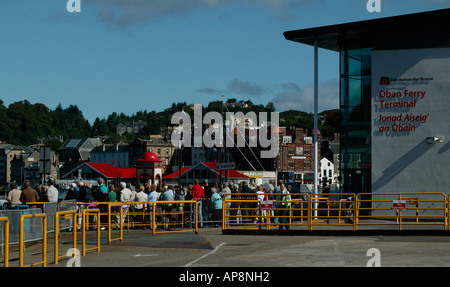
column 213, row 248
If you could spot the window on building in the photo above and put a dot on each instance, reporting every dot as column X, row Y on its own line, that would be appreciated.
column 291, row 164
column 287, row 139
column 307, row 164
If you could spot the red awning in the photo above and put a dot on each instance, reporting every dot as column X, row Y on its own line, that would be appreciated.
column 110, row 171
column 231, row 173
column 212, row 167
column 177, row 173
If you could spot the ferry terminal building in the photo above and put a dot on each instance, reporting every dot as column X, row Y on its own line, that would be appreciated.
column 394, row 100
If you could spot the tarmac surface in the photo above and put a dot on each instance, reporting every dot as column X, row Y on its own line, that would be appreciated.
column 211, row 247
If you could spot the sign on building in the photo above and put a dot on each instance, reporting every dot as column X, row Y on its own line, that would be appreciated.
column 410, row 105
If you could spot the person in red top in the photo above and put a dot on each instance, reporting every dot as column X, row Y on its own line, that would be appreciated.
column 198, row 193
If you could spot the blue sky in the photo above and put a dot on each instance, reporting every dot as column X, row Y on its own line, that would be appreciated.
column 131, row 55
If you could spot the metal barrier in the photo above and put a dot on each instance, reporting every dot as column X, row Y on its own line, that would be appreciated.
column 50, row 208
column 154, row 215
column 333, row 210
column 5, row 240
column 120, row 224
column 14, row 225
column 66, row 215
column 344, row 210
column 241, row 212
column 403, row 209
column 85, row 226
column 44, row 239
column 257, row 213
column 174, row 213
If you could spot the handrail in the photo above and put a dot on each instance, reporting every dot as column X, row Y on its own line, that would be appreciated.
column 84, row 226
column 182, row 202
column 400, row 215
column 6, row 240
column 74, row 232
column 44, row 239
column 120, row 238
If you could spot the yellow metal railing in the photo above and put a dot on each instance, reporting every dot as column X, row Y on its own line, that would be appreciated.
column 331, row 211
column 177, row 214
column 119, row 224
column 144, row 218
column 65, row 215
column 268, row 213
column 44, row 239
column 412, row 209
column 5, row 240
column 351, row 210
column 85, row 225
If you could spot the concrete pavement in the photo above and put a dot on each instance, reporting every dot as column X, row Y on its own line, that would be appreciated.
column 211, row 248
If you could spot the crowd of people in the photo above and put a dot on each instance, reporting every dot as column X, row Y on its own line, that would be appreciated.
column 209, row 199
column 20, row 197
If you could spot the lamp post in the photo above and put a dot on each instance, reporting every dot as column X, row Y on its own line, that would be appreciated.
column 316, row 125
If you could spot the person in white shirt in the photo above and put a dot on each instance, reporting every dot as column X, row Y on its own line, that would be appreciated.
column 141, row 196
column 152, row 196
column 125, row 196
column 52, row 192
column 14, row 196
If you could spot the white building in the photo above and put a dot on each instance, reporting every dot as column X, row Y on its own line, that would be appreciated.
column 327, row 171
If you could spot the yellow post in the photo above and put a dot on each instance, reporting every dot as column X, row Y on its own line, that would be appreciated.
column 328, row 211
column 154, row 218
column 309, row 213
column 301, row 212
column 84, row 230
column 290, row 213
column 340, row 211
column 74, row 232
column 400, row 214
column 355, row 212
column 224, row 211
column 44, row 238
column 120, row 221
column 196, row 218
column 6, row 240
column 446, row 208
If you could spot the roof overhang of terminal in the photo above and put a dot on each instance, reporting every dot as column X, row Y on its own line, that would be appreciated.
column 419, row 30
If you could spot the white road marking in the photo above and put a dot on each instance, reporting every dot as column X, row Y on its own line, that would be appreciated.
column 145, row 255
column 206, row 255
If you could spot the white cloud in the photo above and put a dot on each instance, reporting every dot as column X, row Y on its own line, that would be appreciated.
column 245, row 88
column 296, row 98
column 120, row 13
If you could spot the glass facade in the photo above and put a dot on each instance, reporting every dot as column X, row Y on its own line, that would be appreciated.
column 355, row 108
